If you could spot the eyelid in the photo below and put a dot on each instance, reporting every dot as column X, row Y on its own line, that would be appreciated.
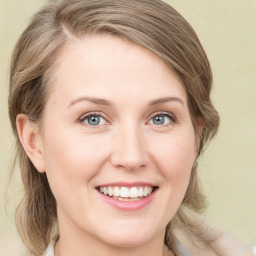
column 96, row 113
column 170, row 115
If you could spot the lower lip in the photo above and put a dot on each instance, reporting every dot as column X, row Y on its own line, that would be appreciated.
column 128, row 205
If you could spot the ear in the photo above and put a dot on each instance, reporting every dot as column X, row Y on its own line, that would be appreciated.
column 31, row 140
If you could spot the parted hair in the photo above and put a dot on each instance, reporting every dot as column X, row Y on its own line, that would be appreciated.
column 152, row 24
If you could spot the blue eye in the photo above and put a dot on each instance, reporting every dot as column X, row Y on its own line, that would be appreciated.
column 94, row 120
column 162, row 119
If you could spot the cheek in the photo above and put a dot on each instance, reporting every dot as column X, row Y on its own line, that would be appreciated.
column 175, row 152
column 72, row 149
column 70, row 161
column 71, row 164
column 174, row 156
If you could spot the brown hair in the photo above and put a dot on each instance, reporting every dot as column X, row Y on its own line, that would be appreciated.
column 152, row 24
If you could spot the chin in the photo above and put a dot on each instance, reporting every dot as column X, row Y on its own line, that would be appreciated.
column 128, row 238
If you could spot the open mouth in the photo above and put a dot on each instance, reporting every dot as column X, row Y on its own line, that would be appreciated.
column 127, row 193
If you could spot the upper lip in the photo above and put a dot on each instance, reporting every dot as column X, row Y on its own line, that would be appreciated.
column 127, row 184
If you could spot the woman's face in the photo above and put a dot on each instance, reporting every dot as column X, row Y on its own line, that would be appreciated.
column 117, row 141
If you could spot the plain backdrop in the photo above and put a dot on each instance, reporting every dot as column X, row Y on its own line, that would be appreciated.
column 227, row 30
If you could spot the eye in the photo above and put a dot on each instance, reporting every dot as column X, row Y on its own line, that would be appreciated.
column 93, row 120
column 162, row 119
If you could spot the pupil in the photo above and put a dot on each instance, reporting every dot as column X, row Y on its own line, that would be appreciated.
column 94, row 120
column 158, row 120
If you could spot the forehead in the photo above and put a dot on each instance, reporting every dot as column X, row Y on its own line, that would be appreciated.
column 109, row 66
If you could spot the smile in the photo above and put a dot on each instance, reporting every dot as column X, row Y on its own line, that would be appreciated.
column 126, row 193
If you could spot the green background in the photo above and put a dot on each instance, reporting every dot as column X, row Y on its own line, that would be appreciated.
column 227, row 30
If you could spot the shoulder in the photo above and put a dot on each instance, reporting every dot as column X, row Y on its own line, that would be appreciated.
column 227, row 245
column 223, row 244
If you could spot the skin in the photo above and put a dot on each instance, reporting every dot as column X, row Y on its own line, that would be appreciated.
column 127, row 146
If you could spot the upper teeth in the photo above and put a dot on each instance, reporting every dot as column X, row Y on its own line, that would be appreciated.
column 127, row 192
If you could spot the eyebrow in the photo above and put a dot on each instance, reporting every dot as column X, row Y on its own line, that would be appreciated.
column 166, row 99
column 105, row 102
column 97, row 101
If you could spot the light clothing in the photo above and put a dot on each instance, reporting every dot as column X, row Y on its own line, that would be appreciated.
column 181, row 249
column 50, row 249
column 254, row 250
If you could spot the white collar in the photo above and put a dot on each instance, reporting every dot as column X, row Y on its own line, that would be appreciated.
column 50, row 248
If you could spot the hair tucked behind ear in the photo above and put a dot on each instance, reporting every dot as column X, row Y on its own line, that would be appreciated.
column 152, row 24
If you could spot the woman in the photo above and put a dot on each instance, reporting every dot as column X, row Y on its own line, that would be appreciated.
column 110, row 105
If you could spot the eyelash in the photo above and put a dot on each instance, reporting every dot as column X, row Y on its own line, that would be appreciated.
column 173, row 119
column 85, row 117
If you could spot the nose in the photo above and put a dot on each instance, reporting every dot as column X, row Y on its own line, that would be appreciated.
column 129, row 149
